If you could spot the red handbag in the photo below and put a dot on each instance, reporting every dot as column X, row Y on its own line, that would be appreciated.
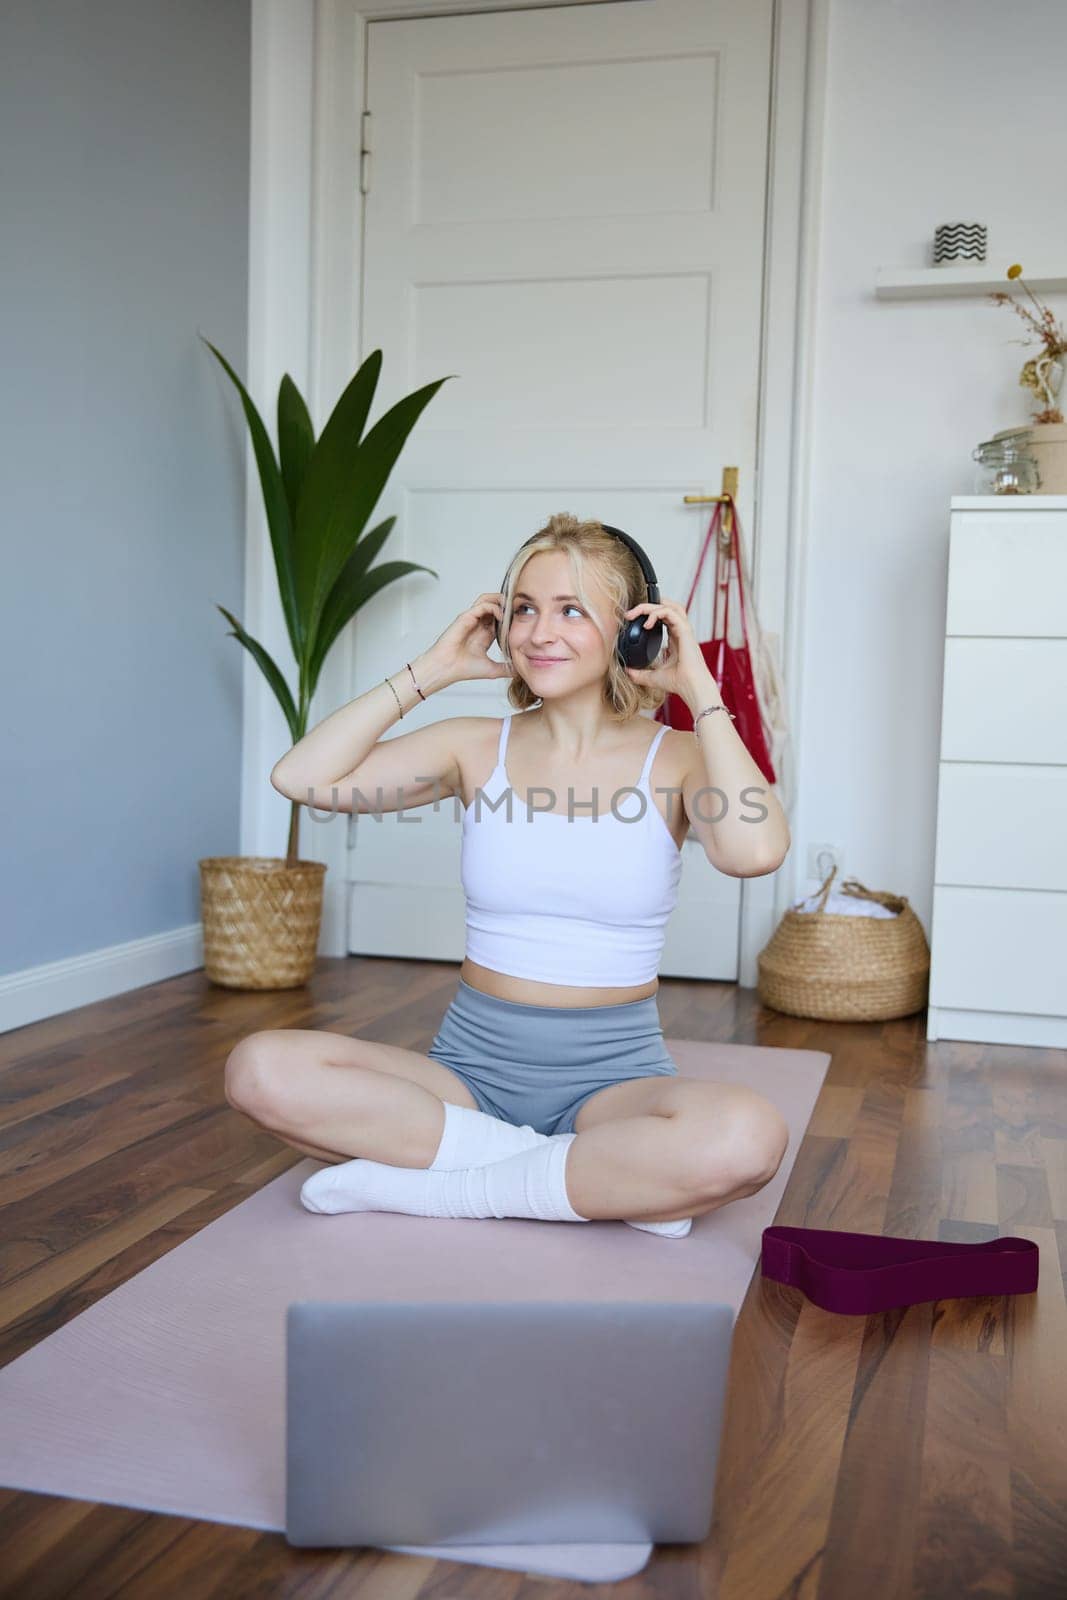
column 729, row 664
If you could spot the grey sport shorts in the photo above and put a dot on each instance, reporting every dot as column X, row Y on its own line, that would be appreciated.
column 537, row 1065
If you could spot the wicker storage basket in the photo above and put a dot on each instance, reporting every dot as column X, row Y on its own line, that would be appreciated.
column 846, row 968
column 261, row 920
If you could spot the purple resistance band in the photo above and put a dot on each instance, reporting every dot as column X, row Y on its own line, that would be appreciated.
column 862, row 1272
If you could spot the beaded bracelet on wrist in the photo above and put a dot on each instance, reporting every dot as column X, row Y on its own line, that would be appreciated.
column 396, row 697
column 707, row 713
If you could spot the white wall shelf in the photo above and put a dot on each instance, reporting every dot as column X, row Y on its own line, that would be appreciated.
column 917, row 283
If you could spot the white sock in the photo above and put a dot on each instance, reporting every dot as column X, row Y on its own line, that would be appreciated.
column 474, row 1139
column 530, row 1183
column 670, row 1230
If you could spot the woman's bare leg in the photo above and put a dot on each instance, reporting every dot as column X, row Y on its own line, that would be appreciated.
column 335, row 1097
column 311, row 1150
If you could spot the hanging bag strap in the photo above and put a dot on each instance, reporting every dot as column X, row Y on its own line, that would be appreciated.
column 722, row 586
column 730, row 553
column 735, row 552
column 716, row 517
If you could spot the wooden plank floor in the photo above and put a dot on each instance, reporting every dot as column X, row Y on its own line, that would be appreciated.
column 917, row 1453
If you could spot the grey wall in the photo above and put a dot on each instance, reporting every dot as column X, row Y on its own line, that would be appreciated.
column 124, row 154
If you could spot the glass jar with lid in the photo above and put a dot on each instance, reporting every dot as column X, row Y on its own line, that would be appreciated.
column 1005, row 465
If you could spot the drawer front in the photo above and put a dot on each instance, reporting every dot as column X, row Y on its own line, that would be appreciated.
column 1005, row 700
column 999, row 950
column 1001, row 826
column 1007, row 573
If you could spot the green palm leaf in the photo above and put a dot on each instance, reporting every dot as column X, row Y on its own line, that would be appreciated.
column 318, row 497
column 388, row 572
column 270, row 672
column 362, row 588
column 296, row 440
column 342, row 485
column 322, row 475
column 342, row 601
column 277, row 508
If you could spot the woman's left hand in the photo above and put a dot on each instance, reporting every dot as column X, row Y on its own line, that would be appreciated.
column 679, row 662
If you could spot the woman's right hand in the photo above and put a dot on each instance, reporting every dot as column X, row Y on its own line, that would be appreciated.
column 462, row 648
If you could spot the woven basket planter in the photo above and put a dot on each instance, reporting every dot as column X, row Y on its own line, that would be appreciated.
column 261, row 920
column 846, row 969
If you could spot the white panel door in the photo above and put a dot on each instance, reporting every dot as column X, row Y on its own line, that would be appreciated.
column 564, row 208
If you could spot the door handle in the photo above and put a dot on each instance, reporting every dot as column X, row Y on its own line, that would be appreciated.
column 729, row 492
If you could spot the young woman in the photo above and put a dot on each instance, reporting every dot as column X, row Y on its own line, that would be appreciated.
column 548, row 1091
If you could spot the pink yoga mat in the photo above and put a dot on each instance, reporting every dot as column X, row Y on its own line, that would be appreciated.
column 168, row 1394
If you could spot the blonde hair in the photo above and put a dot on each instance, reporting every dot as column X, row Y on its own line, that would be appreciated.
column 590, row 551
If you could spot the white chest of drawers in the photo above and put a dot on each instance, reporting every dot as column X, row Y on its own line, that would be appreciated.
column 998, row 933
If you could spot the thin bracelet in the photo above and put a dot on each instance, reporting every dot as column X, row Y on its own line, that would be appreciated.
column 707, row 713
column 396, row 697
column 392, row 686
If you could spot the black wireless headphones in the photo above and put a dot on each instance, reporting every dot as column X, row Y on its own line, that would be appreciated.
column 636, row 646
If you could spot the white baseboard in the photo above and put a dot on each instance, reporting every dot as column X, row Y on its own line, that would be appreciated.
column 59, row 986
column 996, row 1027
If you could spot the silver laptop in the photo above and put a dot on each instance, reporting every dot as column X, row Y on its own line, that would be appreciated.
column 522, row 1423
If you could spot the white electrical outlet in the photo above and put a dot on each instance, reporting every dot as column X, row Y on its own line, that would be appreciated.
column 821, row 859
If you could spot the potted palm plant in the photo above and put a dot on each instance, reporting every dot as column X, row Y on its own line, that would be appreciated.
column 261, row 914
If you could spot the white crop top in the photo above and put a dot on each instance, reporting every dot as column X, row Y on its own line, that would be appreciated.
column 582, row 902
